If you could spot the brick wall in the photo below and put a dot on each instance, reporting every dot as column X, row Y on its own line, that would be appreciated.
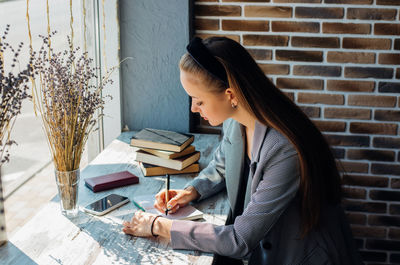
column 339, row 60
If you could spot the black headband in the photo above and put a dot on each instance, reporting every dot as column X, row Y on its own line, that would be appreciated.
column 200, row 53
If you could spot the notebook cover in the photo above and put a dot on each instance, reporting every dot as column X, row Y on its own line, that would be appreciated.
column 111, row 181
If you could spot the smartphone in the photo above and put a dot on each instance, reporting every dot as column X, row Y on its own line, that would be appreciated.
column 106, row 204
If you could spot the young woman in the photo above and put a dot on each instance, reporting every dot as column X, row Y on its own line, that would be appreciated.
column 281, row 178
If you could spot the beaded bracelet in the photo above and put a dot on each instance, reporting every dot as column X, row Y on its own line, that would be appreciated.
column 152, row 224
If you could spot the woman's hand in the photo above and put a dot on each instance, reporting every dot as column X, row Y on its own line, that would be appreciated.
column 177, row 199
column 140, row 225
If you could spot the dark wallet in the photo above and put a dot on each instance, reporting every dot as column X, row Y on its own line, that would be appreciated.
column 110, row 181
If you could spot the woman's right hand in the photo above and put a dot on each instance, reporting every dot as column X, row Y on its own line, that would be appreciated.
column 177, row 199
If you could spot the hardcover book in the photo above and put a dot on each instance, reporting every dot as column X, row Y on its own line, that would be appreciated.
column 170, row 155
column 177, row 164
column 154, row 170
column 161, row 140
column 110, row 181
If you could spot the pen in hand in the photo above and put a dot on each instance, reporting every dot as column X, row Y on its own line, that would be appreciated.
column 166, row 194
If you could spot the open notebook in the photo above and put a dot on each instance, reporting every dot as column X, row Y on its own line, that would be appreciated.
column 186, row 213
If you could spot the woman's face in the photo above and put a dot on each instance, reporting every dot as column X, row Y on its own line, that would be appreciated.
column 212, row 106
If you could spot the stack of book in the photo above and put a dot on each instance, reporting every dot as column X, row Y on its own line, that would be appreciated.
column 163, row 152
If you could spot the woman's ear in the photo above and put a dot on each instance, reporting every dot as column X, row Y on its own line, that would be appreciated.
column 230, row 94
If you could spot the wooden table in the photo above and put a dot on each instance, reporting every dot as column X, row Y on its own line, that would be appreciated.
column 51, row 238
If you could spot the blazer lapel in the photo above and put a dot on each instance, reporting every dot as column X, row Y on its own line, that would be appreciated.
column 234, row 152
column 260, row 131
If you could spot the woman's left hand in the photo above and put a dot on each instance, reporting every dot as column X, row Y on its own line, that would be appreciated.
column 140, row 225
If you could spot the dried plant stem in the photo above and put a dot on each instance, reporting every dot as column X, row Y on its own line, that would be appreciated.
column 104, row 40
column 48, row 25
column 13, row 89
column 29, row 27
column 71, row 24
column 84, row 26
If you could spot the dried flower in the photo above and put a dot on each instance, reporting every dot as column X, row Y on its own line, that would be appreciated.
column 67, row 100
column 13, row 89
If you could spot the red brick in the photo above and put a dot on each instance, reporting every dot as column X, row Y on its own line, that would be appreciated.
column 346, row 28
column 330, row 126
column 386, row 29
column 368, row 72
column 338, row 152
column 311, row 112
column 289, row 95
column 387, row 142
column 296, row 83
column 371, row 13
column 358, row 206
column 245, row 25
column 206, row 24
column 353, row 167
column 351, row 86
column 388, row 169
column 313, row 98
column 268, row 11
column 373, row 128
column 388, row 2
column 357, row 2
column 353, row 193
column 351, row 57
column 217, row 10
column 347, row 140
column 394, row 233
column 372, row 155
column 255, row 1
column 370, row 100
column 275, row 69
column 389, row 58
column 318, row 12
column 398, row 73
column 387, row 115
column 395, row 184
column 205, row 36
column 316, row 42
column 356, row 218
column 394, row 209
column 363, row 231
column 366, row 181
column 389, row 87
column 382, row 244
column 347, row 113
column 260, row 54
column 290, row 26
column 297, row 1
column 366, row 43
column 303, row 56
column 397, row 44
column 265, row 40
column 372, row 255
column 384, row 195
column 317, row 70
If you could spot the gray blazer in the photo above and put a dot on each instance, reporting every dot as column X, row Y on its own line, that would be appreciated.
column 271, row 215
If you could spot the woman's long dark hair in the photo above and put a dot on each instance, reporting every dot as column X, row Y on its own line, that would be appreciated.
column 320, row 179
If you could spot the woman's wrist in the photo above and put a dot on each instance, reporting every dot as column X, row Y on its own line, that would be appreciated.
column 162, row 227
column 193, row 192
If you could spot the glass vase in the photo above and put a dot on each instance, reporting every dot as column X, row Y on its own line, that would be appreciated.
column 3, row 234
column 68, row 187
